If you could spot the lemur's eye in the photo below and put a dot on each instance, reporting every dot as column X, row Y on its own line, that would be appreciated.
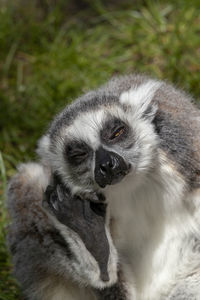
column 79, row 155
column 118, row 132
column 114, row 131
column 77, row 152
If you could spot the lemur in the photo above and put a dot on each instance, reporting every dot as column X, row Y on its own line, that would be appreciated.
column 127, row 155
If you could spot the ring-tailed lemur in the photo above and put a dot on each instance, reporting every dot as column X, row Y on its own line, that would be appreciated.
column 136, row 140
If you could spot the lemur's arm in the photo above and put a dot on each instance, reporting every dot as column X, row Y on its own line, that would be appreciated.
column 84, row 217
column 53, row 253
column 87, row 218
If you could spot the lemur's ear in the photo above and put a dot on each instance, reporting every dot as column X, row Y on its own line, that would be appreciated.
column 151, row 111
column 139, row 99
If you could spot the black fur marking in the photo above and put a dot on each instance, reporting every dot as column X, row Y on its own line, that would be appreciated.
column 110, row 127
column 177, row 143
column 77, row 152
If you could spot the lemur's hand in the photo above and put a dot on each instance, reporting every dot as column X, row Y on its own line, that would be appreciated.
column 85, row 216
column 70, row 210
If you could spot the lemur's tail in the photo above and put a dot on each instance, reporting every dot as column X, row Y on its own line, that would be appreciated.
column 26, row 189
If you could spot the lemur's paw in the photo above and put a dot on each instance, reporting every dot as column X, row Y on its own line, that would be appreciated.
column 85, row 214
column 70, row 209
column 85, row 217
column 58, row 201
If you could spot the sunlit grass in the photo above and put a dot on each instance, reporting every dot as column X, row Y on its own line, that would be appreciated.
column 8, row 287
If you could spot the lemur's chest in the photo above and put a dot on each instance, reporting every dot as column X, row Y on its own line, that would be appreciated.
column 147, row 244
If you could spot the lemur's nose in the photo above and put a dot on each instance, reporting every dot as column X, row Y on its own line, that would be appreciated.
column 109, row 167
column 105, row 161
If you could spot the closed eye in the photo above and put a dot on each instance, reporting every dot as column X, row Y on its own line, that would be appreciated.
column 77, row 152
column 79, row 155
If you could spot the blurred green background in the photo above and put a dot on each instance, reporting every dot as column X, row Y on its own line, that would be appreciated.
column 52, row 51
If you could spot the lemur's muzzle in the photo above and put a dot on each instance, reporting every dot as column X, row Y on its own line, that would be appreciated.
column 110, row 168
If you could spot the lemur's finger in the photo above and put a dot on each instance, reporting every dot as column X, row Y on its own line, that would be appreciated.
column 50, row 198
column 60, row 193
column 93, row 197
column 64, row 197
column 53, row 200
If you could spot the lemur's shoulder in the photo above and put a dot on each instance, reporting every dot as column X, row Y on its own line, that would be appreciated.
column 177, row 123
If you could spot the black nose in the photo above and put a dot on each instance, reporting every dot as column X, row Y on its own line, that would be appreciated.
column 106, row 165
column 109, row 167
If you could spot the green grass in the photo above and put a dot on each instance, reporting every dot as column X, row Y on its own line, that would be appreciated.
column 53, row 51
column 8, row 286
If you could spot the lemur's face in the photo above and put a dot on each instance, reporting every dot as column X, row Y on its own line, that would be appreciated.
column 98, row 148
column 103, row 145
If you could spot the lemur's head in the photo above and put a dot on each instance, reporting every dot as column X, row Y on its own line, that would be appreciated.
column 104, row 135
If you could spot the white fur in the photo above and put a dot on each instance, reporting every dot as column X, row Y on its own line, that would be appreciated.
column 86, row 128
column 152, row 223
column 141, row 97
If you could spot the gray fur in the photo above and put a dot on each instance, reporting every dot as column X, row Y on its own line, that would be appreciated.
column 172, row 133
column 177, row 124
